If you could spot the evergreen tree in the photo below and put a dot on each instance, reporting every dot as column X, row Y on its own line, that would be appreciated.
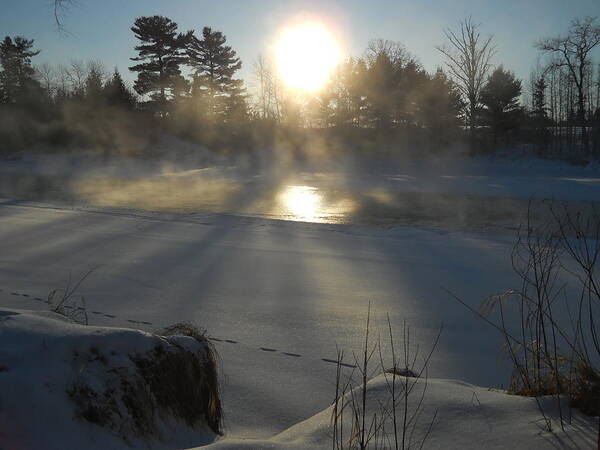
column 381, row 87
column 411, row 80
column 117, row 93
column 17, row 75
column 500, row 99
column 356, row 91
column 93, row 84
column 540, row 114
column 540, row 111
column 335, row 104
column 161, row 54
column 440, row 107
column 215, row 65
column 393, row 84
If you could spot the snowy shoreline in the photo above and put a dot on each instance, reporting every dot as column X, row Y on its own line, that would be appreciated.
column 39, row 353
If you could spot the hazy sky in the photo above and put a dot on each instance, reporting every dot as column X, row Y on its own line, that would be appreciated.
column 100, row 29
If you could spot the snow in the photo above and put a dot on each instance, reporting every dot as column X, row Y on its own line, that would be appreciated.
column 294, row 287
column 42, row 355
column 278, row 296
column 466, row 417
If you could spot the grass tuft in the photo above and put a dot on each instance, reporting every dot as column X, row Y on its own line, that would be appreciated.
column 171, row 381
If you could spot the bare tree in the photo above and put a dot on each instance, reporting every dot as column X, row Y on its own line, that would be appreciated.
column 261, row 72
column 76, row 74
column 574, row 54
column 62, row 82
column 268, row 89
column 46, row 74
column 468, row 58
column 397, row 53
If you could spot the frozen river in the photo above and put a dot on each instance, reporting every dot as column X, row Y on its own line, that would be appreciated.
column 279, row 295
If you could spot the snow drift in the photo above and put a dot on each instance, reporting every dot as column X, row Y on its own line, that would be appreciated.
column 466, row 417
column 64, row 385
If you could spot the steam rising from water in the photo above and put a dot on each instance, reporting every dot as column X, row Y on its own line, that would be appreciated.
column 306, row 191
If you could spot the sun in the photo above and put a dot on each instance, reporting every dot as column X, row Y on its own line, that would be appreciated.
column 306, row 54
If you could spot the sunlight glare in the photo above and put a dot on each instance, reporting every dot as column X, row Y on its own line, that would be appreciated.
column 306, row 55
column 302, row 202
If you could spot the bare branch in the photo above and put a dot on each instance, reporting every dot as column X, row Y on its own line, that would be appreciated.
column 468, row 58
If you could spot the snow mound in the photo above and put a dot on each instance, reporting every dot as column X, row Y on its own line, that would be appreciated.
column 466, row 417
column 69, row 386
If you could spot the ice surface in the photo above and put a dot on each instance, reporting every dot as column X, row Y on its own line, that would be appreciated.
column 279, row 296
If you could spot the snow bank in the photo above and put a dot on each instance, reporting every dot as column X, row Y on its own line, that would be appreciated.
column 45, row 360
column 466, row 417
column 69, row 386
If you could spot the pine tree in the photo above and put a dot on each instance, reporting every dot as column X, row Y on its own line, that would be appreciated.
column 215, row 65
column 93, row 84
column 161, row 54
column 342, row 95
column 500, row 99
column 540, row 111
column 540, row 114
column 440, row 106
column 381, row 88
column 17, row 75
column 356, row 90
column 117, row 94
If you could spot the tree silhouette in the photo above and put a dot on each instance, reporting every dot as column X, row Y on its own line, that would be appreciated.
column 574, row 54
column 440, row 105
column 500, row 100
column 94, row 83
column 17, row 75
column 161, row 54
column 539, row 113
column 215, row 65
column 380, row 86
column 117, row 94
column 468, row 58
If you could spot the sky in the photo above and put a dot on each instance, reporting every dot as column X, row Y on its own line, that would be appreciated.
column 100, row 30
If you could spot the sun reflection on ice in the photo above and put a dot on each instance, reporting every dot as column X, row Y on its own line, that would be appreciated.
column 302, row 203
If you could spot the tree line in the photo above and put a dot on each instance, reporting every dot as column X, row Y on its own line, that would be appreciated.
column 186, row 84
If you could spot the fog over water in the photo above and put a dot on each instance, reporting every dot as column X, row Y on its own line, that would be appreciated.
column 425, row 193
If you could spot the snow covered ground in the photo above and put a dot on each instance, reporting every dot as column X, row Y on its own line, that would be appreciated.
column 54, row 372
column 278, row 296
column 45, row 356
column 464, row 416
column 292, row 287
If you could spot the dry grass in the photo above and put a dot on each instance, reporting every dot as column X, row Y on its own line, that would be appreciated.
column 196, row 395
column 67, row 303
column 393, row 423
column 555, row 345
column 169, row 382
